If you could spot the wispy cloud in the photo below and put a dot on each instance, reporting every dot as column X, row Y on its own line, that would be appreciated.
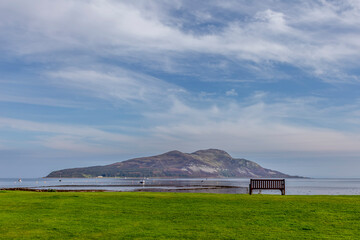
column 276, row 127
column 61, row 136
column 115, row 84
column 40, row 101
column 231, row 92
column 79, row 144
column 256, row 127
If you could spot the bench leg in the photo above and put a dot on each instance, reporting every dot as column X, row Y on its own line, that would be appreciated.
column 250, row 190
column 282, row 191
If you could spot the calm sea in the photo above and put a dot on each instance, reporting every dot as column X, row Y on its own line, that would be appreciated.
column 329, row 186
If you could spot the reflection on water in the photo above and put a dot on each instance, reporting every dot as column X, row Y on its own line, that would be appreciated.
column 234, row 185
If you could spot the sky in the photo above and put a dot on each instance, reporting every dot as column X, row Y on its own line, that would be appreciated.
column 93, row 82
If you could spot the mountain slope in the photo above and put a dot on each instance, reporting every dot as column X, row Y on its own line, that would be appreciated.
column 202, row 163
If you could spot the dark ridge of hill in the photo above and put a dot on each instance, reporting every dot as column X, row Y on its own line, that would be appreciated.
column 203, row 163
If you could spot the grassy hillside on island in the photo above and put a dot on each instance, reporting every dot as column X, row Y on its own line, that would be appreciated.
column 109, row 215
column 202, row 163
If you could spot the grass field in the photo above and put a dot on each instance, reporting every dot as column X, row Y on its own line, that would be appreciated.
column 54, row 215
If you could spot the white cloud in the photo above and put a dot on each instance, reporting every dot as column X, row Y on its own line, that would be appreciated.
column 81, row 24
column 231, row 92
column 321, row 37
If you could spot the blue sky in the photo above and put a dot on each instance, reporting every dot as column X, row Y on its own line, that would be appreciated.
column 94, row 82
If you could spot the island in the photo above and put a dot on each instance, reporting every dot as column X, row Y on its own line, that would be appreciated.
column 210, row 163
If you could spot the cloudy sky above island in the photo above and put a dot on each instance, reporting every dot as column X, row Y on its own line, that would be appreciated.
column 92, row 82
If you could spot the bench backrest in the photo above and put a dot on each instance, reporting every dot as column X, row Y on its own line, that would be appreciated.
column 267, row 183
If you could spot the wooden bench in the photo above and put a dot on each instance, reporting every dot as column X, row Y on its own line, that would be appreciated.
column 268, row 184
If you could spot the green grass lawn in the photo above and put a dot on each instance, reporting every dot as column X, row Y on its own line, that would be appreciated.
column 54, row 215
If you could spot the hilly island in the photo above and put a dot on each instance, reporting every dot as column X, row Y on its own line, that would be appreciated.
column 203, row 163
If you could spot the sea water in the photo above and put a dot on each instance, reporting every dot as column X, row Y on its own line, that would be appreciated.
column 313, row 186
